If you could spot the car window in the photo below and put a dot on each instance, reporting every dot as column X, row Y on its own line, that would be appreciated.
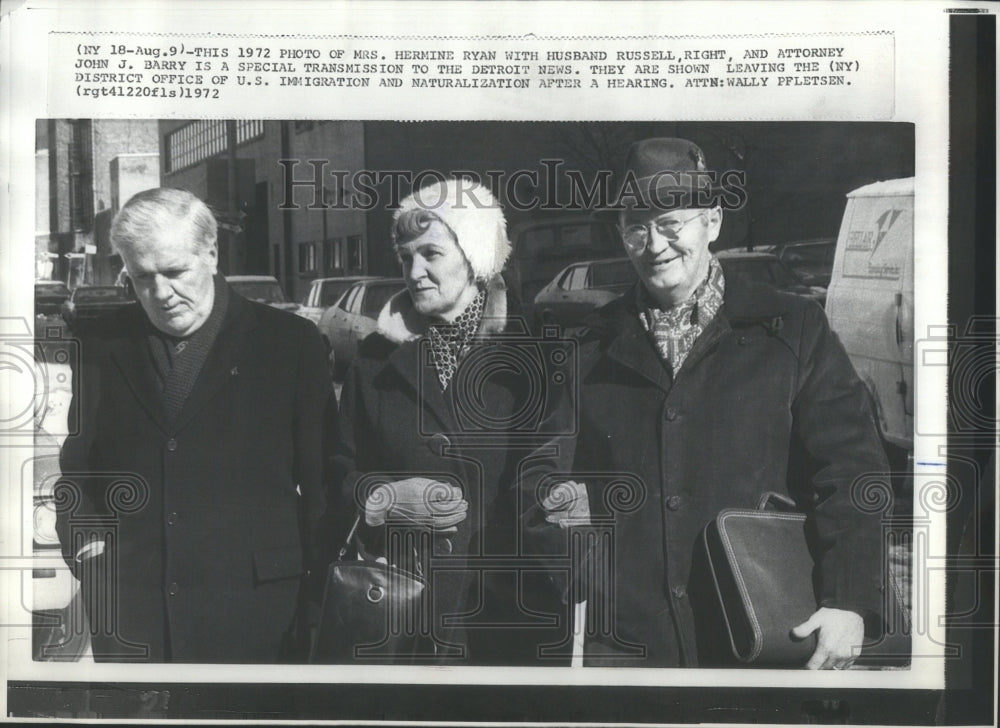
column 378, row 294
column 565, row 278
column 263, row 291
column 347, row 302
column 612, row 274
column 331, row 291
column 579, row 278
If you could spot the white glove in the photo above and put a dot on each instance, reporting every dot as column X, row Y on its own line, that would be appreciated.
column 567, row 505
column 418, row 502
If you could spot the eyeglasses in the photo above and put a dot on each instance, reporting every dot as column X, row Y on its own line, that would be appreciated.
column 637, row 237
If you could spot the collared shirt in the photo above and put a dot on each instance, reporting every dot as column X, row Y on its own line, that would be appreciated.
column 673, row 331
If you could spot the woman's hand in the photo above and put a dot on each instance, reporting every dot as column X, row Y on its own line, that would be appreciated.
column 417, row 502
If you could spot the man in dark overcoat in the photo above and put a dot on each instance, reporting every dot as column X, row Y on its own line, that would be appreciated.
column 192, row 494
column 699, row 392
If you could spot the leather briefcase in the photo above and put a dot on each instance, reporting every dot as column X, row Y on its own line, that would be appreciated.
column 372, row 612
column 762, row 571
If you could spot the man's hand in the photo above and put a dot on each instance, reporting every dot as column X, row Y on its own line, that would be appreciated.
column 839, row 634
column 417, row 501
column 567, row 505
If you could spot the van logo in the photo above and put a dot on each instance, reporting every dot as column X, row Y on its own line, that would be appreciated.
column 885, row 221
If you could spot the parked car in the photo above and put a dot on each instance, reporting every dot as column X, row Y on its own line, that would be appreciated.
column 264, row 289
column 346, row 324
column 870, row 304
column 87, row 303
column 545, row 245
column 766, row 268
column 323, row 293
column 579, row 288
column 812, row 260
column 49, row 297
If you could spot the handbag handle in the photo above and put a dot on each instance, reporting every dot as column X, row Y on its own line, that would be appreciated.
column 778, row 501
column 350, row 537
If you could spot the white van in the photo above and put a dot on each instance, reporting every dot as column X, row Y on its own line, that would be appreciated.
column 870, row 299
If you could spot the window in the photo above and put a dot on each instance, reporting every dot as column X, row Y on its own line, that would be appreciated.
column 335, row 254
column 355, row 253
column 198, row 140
column 307, row 257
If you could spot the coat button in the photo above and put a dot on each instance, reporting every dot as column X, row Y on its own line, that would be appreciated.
column 172, row 444
column 679, row 592
column 670, row 414
column 743, row 341
column 674, row 502
column 172, row 518
column 173, row 589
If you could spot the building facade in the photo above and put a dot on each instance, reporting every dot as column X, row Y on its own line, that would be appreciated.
column 273, row 219
column 75, row 188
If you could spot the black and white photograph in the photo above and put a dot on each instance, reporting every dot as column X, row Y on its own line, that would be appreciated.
column 392, row 415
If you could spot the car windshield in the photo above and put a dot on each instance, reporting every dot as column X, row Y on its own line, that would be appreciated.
column 263, row 291
column 108, row 293
column 805, row 255
column 618, row 273
column 377, row 295
column 51, row 290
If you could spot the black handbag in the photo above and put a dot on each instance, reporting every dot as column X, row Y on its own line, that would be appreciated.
column 762, row 572
column 372, row 612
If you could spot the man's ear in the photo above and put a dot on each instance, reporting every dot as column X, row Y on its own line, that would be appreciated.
column 714, row 221
column 212, row 253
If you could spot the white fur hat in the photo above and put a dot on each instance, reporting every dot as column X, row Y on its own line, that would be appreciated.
column 474, row 217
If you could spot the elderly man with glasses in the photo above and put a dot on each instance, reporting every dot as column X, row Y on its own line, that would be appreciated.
column 698, row 393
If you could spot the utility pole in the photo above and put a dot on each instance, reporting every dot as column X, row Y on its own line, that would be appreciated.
column 232, row 204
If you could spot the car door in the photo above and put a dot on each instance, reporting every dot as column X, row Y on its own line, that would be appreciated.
column 376, row 296
column 340, row 321
column 565, row 303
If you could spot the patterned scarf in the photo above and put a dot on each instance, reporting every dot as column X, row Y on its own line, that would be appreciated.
column 450, row 341
column 675, row 330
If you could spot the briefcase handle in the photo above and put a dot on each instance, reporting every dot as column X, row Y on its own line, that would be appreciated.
column 778, row 501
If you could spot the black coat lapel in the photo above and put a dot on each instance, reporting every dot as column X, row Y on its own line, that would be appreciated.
column 131, row 355
column 223, row 359
column 411, row 362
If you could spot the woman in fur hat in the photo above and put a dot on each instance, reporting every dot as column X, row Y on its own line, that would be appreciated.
column 431, row 413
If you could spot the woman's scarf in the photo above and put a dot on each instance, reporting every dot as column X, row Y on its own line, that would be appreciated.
column 449, row 342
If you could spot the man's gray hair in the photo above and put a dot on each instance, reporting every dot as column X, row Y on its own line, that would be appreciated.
column 161, row 208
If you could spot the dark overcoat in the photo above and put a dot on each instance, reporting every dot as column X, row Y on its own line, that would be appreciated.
column 767, row 400
column 397, row 422
column 208, row 520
